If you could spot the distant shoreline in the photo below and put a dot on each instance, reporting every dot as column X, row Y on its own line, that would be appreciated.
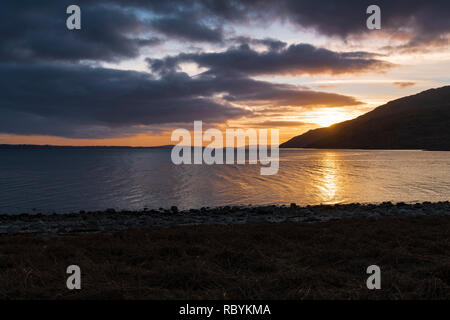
column 50, row 147
column 111, row 220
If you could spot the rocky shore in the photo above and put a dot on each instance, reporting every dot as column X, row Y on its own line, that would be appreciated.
column 111, row 220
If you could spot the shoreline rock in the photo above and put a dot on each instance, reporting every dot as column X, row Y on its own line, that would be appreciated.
column 111, row 220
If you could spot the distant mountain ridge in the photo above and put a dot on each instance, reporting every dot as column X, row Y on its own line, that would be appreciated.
column 47, row 146
column 420, row 121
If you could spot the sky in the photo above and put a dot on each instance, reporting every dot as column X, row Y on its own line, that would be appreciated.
column 137, row 70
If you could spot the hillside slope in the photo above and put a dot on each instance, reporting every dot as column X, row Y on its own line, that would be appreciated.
column 420, row 121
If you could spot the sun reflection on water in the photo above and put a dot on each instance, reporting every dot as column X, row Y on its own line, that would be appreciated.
column 328, row 181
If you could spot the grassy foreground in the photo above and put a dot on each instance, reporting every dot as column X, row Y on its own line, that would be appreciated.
column 324, row 260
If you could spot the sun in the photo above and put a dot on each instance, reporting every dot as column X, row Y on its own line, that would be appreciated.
column 328, row 117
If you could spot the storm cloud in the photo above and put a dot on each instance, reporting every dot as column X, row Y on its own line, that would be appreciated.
column 425, row 22
column 86, row 102
column 68, row 100
column 35, row 30
column 295, row 59
column 187, row 28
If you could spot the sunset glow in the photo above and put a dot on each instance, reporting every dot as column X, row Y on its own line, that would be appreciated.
column 328, row 117
column 157, row 72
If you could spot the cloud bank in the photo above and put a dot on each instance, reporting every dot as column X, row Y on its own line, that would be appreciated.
column 53, row 82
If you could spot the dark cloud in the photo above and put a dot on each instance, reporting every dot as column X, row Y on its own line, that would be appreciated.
column 36, row 31
column 187, row 27
column 295, row 59
column 85, row 102
column 269, row 43
column 426, row 22
column 118, row 29
column 291, row 96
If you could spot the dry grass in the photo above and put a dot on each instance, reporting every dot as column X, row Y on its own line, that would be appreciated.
column 254, row 261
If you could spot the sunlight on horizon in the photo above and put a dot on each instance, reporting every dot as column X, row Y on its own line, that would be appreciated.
column 328, row 117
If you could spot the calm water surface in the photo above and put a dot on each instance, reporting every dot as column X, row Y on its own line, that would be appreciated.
column 69, row 180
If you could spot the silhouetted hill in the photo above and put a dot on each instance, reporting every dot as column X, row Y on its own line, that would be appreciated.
column 420, row 121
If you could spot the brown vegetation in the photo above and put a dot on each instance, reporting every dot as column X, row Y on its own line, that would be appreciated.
column 252, row 261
